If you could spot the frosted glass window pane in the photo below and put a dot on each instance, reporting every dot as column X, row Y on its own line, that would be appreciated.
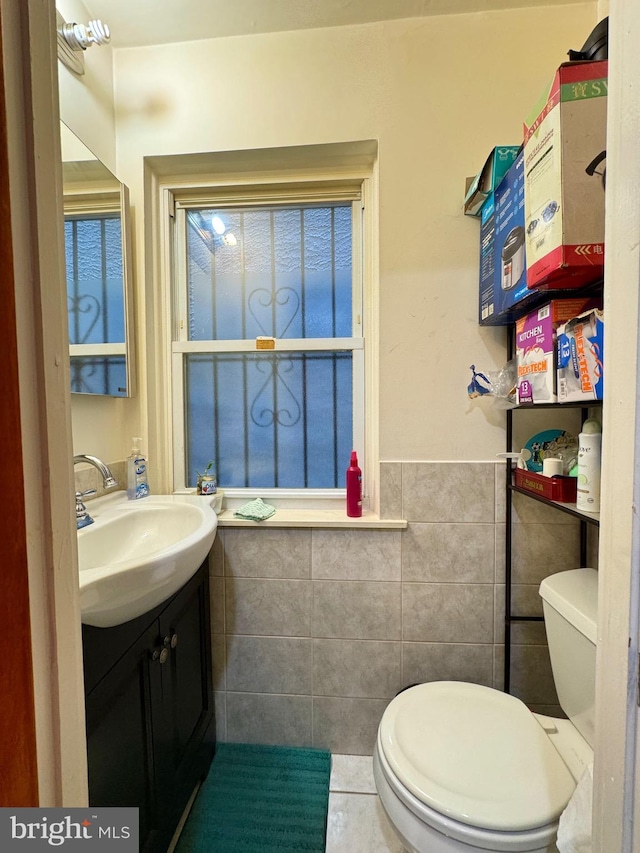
column 284, row 272
column 269, row 419
column 95, row 284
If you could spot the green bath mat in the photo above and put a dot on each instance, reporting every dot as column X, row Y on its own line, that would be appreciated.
column 260, row 799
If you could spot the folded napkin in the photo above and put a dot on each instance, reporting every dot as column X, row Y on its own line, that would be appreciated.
column 256, row 510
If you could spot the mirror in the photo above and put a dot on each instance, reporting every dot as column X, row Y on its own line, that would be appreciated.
column 99, row 281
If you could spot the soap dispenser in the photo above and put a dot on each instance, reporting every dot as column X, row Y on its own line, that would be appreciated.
column 137, row 482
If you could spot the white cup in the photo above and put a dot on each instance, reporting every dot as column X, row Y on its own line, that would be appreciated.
column 551, row 467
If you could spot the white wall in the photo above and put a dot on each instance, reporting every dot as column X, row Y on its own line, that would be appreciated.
column 101, row 425
column 437, row 93
column 86, row 101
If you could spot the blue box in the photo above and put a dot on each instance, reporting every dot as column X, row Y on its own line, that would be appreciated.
column 480, row 188
column 503, row 279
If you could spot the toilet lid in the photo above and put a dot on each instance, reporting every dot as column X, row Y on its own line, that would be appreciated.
column 476, row 755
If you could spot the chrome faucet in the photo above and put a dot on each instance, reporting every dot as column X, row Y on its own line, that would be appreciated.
column 108, row 481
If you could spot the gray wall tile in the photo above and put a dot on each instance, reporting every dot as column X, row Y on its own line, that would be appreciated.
column 216, row 601
column 390, row 490
column 548, row 710
column 218, row 662
column 531, row 676
column 268, row 664
column 272, row 607
column 501, row 529
column 498, row 667
column 447, row 612
column 500, row 486
column 530, row 511
column 356, row 610
column 220, row 708
column 269, row 719
column 323, row 627
column 540, row 550
column 369, row 555
column 356, row 668
column 347, row 726
column 449, row 491
column 267, row 552
column 216, row 555
column 525, row 601
column 448, row 552
column 423, row 662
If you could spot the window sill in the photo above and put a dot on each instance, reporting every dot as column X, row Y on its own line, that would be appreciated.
column 322, row 518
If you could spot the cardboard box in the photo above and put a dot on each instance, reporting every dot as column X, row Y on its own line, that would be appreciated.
column 581, row 357
column 564, row 204
column 503, row 282
column 536, row 349
column 478, row 189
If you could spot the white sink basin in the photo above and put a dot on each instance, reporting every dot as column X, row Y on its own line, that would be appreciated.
column 136, row 554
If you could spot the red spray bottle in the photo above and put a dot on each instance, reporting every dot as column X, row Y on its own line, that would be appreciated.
column 354, row 488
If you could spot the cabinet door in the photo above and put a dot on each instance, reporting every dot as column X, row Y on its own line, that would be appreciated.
column 187, row 687
column 120, row 734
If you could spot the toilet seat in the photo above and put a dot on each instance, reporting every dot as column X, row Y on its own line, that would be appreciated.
column 422, row 828
column 474, row 756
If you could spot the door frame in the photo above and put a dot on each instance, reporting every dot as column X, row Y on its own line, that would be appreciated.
column 45, row 481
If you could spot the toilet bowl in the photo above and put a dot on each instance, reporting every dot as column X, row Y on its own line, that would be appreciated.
column 464, row 768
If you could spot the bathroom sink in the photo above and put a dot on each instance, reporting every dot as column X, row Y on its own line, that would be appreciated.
column 136, row 554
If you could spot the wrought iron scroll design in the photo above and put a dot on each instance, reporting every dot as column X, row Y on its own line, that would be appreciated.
column 275, row 412
column 261, row 300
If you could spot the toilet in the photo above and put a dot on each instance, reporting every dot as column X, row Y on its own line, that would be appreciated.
column 463, row 768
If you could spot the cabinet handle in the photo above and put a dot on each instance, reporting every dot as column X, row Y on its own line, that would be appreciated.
column 171, row 641
column 159, row 654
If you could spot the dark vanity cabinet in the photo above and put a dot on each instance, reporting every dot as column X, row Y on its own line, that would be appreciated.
column 149, row 706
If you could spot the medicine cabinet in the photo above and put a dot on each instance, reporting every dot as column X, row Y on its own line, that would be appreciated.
column 98, row 272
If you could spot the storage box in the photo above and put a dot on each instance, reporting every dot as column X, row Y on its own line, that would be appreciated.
column 503, row 282
column 581, row 358
column 560, row 488
column 564, row 203
column 478, row 189
column 536, row 349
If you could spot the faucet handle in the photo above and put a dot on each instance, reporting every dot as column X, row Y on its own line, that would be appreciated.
column 82, row 516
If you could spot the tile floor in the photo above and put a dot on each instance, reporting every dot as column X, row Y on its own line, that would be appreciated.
column 357, row 822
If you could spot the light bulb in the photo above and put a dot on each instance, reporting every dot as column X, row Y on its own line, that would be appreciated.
column 218, row 225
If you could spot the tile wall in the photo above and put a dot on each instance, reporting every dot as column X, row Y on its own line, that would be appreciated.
column 314, row 631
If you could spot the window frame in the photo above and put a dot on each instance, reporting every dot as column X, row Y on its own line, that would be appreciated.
column 319, row 193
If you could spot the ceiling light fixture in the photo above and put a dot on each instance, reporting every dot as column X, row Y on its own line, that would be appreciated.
column 73, row 39
column 218, row 225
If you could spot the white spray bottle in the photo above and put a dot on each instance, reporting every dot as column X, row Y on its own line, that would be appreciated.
column 589, row 458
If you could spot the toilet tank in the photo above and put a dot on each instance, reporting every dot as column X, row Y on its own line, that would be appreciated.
column 570, row 604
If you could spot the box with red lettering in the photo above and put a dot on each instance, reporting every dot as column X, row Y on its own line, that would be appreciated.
column 536, row 349
column 581, row 358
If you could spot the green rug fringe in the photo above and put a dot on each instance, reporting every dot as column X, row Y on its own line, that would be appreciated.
column 260, row 799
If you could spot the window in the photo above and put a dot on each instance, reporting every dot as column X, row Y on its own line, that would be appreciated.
column 268, row 347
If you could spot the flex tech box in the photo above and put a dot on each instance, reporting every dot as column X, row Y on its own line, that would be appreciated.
column 565, row 143
column 581, row 358
column 536, row 351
